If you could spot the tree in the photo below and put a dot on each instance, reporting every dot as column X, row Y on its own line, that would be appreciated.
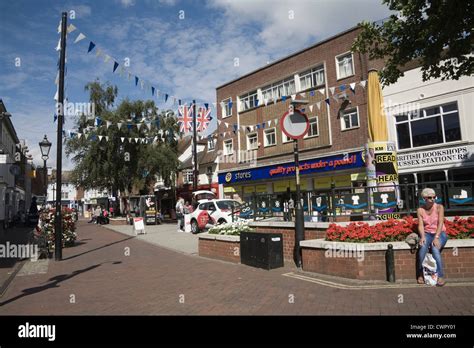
column 117, row 164
column 435, row 33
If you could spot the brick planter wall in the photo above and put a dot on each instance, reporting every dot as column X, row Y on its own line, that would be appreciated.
column 226, row 248
column 313, row 230
column 373, row 266
column 117, row 221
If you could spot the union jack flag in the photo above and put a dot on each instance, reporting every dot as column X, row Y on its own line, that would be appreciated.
column 203, row 119
column 185, row 118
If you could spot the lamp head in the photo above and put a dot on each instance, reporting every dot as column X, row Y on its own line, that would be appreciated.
column 45, row 146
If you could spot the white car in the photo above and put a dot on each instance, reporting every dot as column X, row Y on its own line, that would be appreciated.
column 213, row 212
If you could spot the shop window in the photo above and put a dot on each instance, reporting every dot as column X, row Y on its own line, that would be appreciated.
column 433, row 125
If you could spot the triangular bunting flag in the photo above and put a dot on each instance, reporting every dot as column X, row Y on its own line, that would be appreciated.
column 152, row 90
column 109, row 123
column 311, row 108
column 58, row 47
column 362, row 83
column 136, row 140
column 100, row 137
column 115, row 66
column 99, row 52
column 269, row 123
column 283, row 98
column 322, row 91
column 342, row 88
column 312, row 93
column 293, row 96
column 122, row 138
column 91, row 46
column 149, row 126
column 139, row 125
column 332, row 89
column 265, row 102
column 352, row 87
column 119, row 125
column 318, row 104
column 327, row 101
column 71, row 28
column 303, row 95
column 79, row 135
column 136, row 81
column 79, row 37
column 107, row 138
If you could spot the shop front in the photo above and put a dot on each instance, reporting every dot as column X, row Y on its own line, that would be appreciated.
column 318, row 177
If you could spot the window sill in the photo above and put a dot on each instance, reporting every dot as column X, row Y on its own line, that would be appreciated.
column 349, row 129
column 314, row 136
column 227, row 116
column 265, row 146
column 346, row 77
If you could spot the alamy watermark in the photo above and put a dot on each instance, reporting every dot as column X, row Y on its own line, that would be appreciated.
column 19, row 251
column 238, row 156
column 75, row 109
column 345, row 250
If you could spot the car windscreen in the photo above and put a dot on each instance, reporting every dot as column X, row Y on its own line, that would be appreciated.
column 227, row 205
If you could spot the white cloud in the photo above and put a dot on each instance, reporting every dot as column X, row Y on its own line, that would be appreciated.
column 127, row 3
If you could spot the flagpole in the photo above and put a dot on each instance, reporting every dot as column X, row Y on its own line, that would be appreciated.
column 58, row 221
column 195, row 170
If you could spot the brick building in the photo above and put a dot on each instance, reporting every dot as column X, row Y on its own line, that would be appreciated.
column 258, row 157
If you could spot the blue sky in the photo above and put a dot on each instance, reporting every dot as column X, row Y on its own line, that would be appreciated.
column 184, row 57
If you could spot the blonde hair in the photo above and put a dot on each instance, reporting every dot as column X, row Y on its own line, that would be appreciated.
column 428, row 192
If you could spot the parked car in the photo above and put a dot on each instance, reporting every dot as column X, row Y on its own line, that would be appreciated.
column 213, row 212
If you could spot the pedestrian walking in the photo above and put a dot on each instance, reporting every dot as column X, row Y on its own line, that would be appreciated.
column 180, row 214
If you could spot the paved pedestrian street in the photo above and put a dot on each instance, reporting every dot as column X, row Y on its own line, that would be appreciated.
column 110, row 273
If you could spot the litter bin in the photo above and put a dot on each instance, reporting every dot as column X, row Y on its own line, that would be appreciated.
column 262, row 250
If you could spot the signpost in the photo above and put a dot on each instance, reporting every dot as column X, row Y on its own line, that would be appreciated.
column 295, row 125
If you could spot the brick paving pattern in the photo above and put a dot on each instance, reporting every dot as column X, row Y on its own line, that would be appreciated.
column 153, row 280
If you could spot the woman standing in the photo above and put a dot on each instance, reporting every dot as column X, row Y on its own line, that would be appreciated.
column 432, row 233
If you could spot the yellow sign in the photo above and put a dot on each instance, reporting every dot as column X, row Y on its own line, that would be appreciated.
column 303, row 185
column 323, row 182
column 358, row 177
column 261, row 188
column 249, row 189
column 280, row 186
column 229, row 189
column 342, row 180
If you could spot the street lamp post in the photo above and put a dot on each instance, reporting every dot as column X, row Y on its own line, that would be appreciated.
column 45, row 146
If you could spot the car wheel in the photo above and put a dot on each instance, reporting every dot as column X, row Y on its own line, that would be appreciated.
column 194, row 227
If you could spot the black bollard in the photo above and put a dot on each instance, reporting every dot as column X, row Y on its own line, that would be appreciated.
column 390, row 264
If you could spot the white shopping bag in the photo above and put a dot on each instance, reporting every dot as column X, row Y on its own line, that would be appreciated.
column 429, row 270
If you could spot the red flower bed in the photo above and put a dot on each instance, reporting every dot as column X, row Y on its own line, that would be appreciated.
column 394, row 230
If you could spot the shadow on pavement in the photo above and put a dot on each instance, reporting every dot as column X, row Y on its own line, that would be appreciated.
column 54, row 284
column 101, row 247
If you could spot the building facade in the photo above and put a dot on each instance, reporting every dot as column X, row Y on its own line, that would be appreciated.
column 432, row 124
column 257, row 157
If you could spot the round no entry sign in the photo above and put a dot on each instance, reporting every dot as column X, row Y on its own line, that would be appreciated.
column 294, row 124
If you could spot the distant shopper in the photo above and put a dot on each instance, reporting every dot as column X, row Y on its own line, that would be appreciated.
column 432, row 233
column 291, row 208
column 180, row 214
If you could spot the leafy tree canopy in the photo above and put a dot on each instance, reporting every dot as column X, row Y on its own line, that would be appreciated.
column 436, row 33
column 104, row 164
